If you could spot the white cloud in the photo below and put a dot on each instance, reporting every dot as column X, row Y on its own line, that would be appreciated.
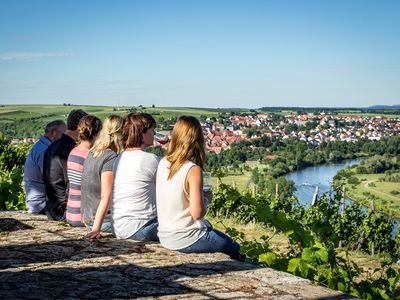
column 30, row 56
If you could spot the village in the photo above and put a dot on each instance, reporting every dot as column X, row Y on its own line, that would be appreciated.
column 311, row 128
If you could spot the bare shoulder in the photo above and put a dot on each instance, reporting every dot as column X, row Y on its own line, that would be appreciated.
column 194, row 172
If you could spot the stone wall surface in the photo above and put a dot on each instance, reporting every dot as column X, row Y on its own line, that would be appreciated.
column 42, row 259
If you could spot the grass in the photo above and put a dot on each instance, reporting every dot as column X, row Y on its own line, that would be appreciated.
column 253, row 231
column 242, row 181
column 380, row 191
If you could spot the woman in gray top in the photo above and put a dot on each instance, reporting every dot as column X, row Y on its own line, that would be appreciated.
column 97, row 177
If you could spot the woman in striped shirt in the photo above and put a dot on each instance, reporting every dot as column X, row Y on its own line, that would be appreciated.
column 88, row 128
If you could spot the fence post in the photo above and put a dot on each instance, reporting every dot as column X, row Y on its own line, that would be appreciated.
column 373, row 241
column 276, row 190
column 343, row 202
column 315, row 197
column 342, row 213
column 234, row 184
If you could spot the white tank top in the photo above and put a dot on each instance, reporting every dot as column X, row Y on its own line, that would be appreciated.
column 176, row 227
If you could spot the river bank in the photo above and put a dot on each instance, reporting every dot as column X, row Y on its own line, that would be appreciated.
column 371, row 190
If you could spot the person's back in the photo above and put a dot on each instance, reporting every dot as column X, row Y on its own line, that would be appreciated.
column 88, row 128
column 33, row 168
column 55, row 168
column 134, row 213
column 181, row 202
column 177, row 228
column 55, row 176
column 75, row 163
column 33, row 177
column 134, row 193
column 91, row 184
column 97, row 178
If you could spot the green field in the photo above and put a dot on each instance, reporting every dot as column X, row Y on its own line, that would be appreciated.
column 384, row 200
column 363, row 114
column 15, row 112
column 242, row 182
column 18, row 121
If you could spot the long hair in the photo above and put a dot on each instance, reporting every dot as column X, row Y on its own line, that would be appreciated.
column 187, row 144
column 109, row 135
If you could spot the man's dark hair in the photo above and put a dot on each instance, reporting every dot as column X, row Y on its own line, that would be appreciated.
column 53, row 125
column 134, row 125
column 74, row 117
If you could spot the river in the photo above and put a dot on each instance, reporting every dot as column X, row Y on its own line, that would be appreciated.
column 306, row 180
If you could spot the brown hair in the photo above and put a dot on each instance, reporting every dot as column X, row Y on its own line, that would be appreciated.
column 187, row 144
column 134, row 125
column 74, row 117
column 88, row 128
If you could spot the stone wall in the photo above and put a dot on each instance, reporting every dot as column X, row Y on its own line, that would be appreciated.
column 43, row 259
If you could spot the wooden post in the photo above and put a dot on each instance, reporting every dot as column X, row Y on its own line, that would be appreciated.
column 254, row 190
column 342, row 213
column 218, row 182
column 276, row 190
column 234, row 184
column 373, row 242
column 343, row 202
column 315, row 197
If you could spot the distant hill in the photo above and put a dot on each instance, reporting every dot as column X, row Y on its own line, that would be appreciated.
column 384, row 107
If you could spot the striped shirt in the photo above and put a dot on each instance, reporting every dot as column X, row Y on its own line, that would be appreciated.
column 74, row 169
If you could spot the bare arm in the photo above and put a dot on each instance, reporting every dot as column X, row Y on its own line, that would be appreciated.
column 106, row 189
column 194, row 186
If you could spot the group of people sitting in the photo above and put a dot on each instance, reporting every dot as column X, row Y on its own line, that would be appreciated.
column 97, row 174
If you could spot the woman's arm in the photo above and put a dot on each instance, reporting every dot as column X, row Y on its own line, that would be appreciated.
column 106, row 190
column 194, row 186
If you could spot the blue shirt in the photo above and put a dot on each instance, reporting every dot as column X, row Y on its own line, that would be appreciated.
column 33, row 176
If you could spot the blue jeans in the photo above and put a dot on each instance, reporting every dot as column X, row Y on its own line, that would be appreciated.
column 105, row 227
column 148, row 232
column 214, row 241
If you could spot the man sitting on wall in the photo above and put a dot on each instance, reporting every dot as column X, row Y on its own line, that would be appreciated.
column 55, row 168
column 33, row 168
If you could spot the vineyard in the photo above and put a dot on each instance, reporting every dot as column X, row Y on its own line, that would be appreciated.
column 319, row 237
column 319, row 240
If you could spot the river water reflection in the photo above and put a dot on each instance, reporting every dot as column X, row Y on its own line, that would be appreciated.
column 306, row 180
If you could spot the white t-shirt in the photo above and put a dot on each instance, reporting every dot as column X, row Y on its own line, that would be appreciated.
column 134, row 192
column 176, row 227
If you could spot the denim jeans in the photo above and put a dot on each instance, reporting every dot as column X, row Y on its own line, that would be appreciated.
column 148, row 232
column 105, row 227
column 214, row 241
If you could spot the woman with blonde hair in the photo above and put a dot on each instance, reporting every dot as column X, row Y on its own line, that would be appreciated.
column 97, row 177
column 88, row 128
column 181, row 205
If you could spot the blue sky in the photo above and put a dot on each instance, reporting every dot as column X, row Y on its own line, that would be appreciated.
column 200, row 53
